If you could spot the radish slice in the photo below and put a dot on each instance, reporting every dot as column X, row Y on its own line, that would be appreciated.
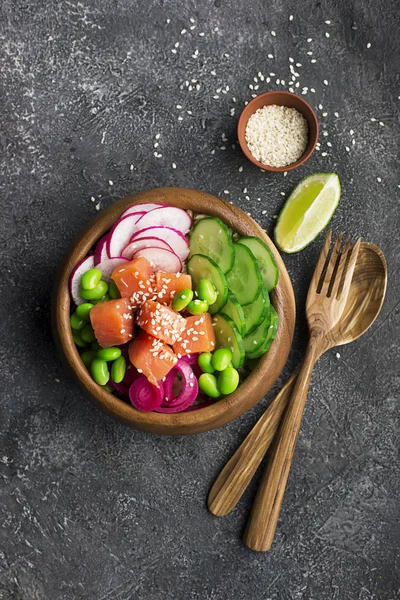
column 189, row 392
column 75, row 279
column 161, row 260
column 145, row 396
column 174, row 238
column 145, row 207
column 108, row 265
column 167, row 216
column 142, row 243
column 121, row 234
column 100, row 252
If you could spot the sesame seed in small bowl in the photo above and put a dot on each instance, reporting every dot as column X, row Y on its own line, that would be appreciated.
column 278, row 131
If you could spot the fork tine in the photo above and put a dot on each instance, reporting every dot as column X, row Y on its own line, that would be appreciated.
column 333, row 261
column 319, row 269
column 345, row 271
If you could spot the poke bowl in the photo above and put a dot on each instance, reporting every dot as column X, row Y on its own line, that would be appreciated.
column 173, row 311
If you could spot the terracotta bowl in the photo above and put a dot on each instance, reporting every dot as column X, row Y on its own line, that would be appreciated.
column 281, row 99
column 248, row 393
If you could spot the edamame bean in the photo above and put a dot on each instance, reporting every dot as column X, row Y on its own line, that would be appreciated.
column 108, row 388
column 88, row 357
column 83, row 311
column 221, row 359
column 208, row 385
column 87, row 333
column 109, row 353
column 204, row 362
column 118, row 369
column 99, row 371
column 197, row 307
column 78, row 340
column 228, row 381
column 76, row 322
column 95, row 345
column 113, row 290
column 206, row 291
column 182, row 299
column 96, row 294
column 90, row 279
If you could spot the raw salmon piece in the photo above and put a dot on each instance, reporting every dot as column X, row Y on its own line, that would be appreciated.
column 161, row 321
column 135, row 280
column 197, row 337
column 169, row 284
column 112, row 322
column 151, row 357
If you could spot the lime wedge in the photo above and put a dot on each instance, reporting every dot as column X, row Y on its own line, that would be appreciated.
column 307, row 211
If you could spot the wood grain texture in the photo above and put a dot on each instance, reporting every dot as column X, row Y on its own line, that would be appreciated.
column 249, row 392
column 363, row 305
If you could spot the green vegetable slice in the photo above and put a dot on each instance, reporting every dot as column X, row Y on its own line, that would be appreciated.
column 258, row 351
column 244, row 279
column 265, row 260
column 258, row 311
column 235, row 311
column 211, row 237
column 203, row 267
column 228, row 336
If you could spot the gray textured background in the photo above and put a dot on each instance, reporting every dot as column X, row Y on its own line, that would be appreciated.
column 91, row 509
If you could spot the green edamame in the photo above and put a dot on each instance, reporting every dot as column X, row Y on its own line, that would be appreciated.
column 221, row 359
column 99, row 371
column 76, row 322
column 90, row 279
column 78, row 340
column 197, row 307
column 208, row 385
column 205, row 362
column 87, row 333
column 95, row 294
column 83, row 311
column 206, row 291
column 118, row 369
column 88, row 357
column 113, row 290
column 228, row 381
column 182, row 299
column 109, row 354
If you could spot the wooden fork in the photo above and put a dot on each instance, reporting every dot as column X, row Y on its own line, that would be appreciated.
column 326, row 300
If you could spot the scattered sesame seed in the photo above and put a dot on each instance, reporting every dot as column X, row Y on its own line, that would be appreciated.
column 327, row 34
column 324, row 154
column 381, row 124
column 240, row 169
column 202, row 34
column 183, row 31
column 173, row 165
column 270, row 56
column 263, row 212
column 273, row 33
column 93, row 199
column 226, row 191
column 110, row 182
column 369, row 45
column 313, row 60
column 180, row 118
column 325, row 82
column 328, row 22
column 337, row 355
column 336, row 114
column 173, row 51
column 379, row 180
column 290, row 17
column 176, row 44
column 373, row 119
column 347, row 149
column 309, row 40
column 97, row 207
column 324, row 114
column 178, row 106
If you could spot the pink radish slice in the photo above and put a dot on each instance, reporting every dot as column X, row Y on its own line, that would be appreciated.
column 161, row 260
column 100, row 252
column 152, row 242
column 174, row 238
column 121, row 233
column 75, row 279
column 188, row 395
column 108, row 265
column 167, row 216
column 145, row 207
column 145, row 396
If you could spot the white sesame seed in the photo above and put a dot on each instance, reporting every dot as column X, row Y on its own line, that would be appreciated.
column 336, row 114
column 202, row 34
column 379, row 180
column 173, row 51
column 178, row 106
column 327, row 34
column 381, row 124
column 290, row 17
column 176, row 44
column 328, row 22
column 369, row 45
column 326, row 82
column 273, row 33
column 270, row 56
column 226, row 191
column 173, row 165
column 110, row 182
column 313, row 60
column 309, row 40
column 183, row 31
column 347, row 149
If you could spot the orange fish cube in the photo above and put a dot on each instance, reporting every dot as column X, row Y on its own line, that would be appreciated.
column 161, row 321
column 112, row 322
column 197, row 337
column 151, row 357
column 169, row 284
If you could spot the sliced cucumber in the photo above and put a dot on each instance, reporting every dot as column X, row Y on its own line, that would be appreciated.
column 265, row 260
column 256, row 312
column 244, row 279
column 234, row 310
column 258, row 351
column 228, row 336
column 212, row 238
column 203, row 267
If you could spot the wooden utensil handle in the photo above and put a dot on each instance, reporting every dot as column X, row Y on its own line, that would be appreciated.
column 261, row 525
column 234, row 478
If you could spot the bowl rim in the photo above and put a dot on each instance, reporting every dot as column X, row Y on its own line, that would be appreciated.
column 253, row 388
column 242, row 141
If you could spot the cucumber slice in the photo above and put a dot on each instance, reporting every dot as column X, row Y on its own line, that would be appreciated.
column 203, row 267
column 228, row 336
column 212, row 238
column 233, row 309
column 244, row 279
column 256, row 312
column 265, row 260
column 266, row 342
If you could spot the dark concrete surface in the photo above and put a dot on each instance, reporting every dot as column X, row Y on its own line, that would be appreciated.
column 89, row 508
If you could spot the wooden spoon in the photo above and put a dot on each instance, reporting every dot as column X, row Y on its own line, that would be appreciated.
column 364, row 303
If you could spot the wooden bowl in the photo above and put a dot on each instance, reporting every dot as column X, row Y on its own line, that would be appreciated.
column 281, row 99
column 248, row 393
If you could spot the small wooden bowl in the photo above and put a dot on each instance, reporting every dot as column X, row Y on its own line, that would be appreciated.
column 281, row 99
column 248, row 393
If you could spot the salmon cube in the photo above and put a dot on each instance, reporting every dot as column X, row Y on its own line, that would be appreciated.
column 151, row 357
column 112, row 322
column 197, row 337
column 161, row 321
column 169, row 284
column 135, row 280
